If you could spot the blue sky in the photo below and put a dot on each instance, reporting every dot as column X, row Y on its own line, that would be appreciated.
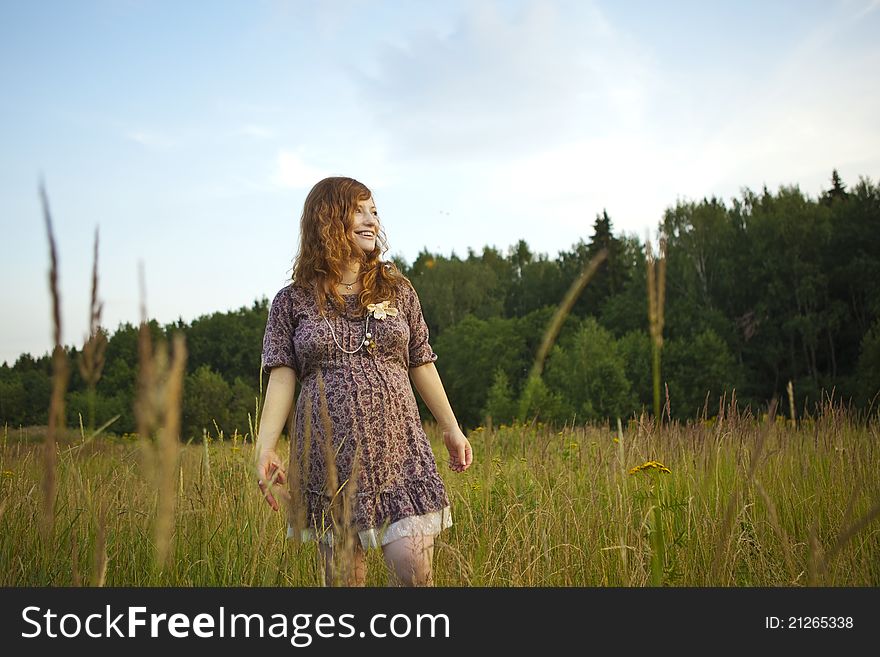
column 190, row 133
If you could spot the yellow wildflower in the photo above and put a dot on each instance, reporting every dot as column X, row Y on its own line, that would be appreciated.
column 650, row 465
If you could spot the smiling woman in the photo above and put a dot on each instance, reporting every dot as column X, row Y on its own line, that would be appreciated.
column 349, row 328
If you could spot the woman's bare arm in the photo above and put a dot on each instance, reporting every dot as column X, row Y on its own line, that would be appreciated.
column 427, row 381
column 276, row 408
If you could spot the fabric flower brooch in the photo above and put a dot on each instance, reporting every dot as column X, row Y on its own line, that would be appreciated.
column 382, row 310
column 379, row 310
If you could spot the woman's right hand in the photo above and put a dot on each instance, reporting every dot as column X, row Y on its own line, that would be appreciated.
column 271, row 478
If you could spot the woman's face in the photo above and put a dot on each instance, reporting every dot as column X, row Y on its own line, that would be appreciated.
column 365, row 226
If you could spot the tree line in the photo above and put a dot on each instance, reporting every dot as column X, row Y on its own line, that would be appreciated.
column 767, row 289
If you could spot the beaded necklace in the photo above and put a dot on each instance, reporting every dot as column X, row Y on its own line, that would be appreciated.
column 366, row 342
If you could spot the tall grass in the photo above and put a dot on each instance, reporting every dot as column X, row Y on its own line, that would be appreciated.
column 746, row 503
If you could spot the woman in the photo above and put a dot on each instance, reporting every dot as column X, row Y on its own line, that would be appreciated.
column 349, row 328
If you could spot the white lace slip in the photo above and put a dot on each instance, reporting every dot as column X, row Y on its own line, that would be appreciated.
column 428, row 524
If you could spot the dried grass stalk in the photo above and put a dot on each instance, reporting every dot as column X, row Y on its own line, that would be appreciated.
column 91, row 361
column 656, row 301
column 99, row 563
column 158, row 407
column 169, row 447
column 342, row 499
column 60, row 375
column 298, row 471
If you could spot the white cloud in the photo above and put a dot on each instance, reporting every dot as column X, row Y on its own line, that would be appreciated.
column 291, row 171
column 870, row 6
column 500, row 85
column 256, row 131
column 152, row 140
column 792, row 126
column 632, row 175
column 814, row 111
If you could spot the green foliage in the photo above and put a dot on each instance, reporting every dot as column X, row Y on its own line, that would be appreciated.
column 500, row 404
column 537, row 403
column 613, row 274
column 697, row 372
column 13, row 397
column 106, row 408
column 468, row 356
column 451, row 289
column 216, row 341
column 242, row 405
column 589, row 374
column 539, row 281
column 119, row 377
column 206, row 400
column 627, row 309
column 38, row 392
column 634, row 349
column 868, row 370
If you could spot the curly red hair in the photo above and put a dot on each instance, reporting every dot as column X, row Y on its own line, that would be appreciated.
column 325, row 248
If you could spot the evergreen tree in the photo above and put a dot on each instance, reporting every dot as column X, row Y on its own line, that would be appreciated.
column 837, row 191
column 607, row 281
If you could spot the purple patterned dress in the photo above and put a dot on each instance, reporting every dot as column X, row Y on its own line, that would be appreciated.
column 371, row 405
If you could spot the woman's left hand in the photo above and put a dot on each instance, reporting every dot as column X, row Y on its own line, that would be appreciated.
column 460, row 453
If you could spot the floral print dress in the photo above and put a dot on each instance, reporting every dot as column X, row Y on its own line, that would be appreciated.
column 368, row 408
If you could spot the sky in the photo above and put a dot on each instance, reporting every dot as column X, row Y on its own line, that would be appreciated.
column 189, row 134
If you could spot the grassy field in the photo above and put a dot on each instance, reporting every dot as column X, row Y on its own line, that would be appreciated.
column 733, row 500
column 745, row 502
